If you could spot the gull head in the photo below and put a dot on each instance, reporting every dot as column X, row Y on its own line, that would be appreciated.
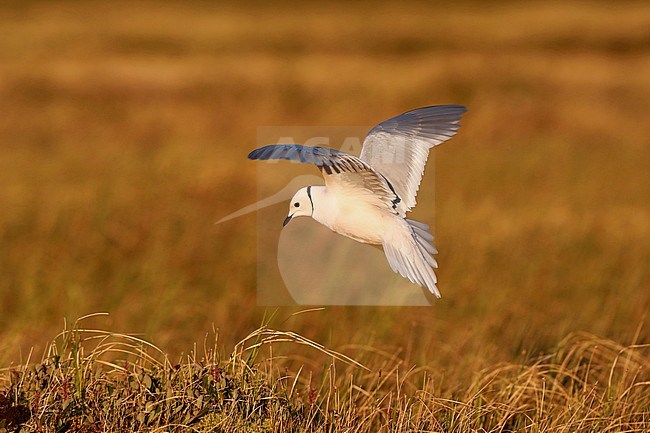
column 301, row 205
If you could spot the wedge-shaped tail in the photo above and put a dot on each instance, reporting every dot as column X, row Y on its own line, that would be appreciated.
column 409, row 252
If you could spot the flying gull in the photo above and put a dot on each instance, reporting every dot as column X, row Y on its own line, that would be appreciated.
column 366, row 198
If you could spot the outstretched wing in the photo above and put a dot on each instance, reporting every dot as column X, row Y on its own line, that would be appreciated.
column 399, row 147
column 339, row 169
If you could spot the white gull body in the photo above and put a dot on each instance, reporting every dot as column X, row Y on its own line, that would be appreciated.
column 366, row 198
column 350, row 216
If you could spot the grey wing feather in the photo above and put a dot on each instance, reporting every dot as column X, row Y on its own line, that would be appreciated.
column 340, row 170
column 320, row 156
column 399, row 147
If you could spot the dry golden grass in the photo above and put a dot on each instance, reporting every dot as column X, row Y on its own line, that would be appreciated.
column 586, row 384
column 123, row 137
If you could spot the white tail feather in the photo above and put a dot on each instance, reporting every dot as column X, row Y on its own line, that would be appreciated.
column 409, row 253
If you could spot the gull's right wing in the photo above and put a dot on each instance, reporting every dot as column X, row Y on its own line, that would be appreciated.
column 339, row 169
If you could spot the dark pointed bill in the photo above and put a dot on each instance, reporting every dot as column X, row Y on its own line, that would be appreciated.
column 286, row 221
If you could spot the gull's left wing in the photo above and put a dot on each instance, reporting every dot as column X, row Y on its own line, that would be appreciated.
column 398, row 148
column 339, row 169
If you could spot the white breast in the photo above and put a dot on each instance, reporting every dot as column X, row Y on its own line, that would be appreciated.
column 352, row 216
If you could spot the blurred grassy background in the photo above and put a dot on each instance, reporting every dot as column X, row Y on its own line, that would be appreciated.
column 125, row 126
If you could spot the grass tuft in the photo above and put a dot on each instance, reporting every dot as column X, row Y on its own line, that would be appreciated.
column 93, row 380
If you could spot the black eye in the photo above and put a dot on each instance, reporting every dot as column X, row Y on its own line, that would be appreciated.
column 296, row 204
